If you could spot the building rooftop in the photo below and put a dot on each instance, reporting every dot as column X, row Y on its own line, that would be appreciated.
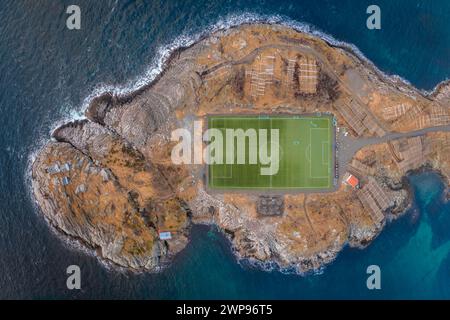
column 165, row 235
column 352, row 180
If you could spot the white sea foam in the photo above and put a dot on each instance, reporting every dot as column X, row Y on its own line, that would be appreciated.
column 71, row 113
column 224, row 23
column 186, row 40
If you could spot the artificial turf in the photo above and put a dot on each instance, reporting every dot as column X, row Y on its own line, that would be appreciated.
column 306, row 153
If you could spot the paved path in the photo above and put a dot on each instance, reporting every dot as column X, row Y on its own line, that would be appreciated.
column 348, row 146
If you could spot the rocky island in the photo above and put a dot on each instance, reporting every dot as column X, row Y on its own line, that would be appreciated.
column 109, row 181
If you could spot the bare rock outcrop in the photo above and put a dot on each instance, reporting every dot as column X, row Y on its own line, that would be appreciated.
column 109, row 181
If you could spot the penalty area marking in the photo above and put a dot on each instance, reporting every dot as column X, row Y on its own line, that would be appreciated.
column 322, row 153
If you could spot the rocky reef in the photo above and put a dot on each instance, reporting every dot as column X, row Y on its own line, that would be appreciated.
column 109, row 181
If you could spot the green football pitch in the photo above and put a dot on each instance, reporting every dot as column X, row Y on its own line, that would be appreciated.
column 305, row 154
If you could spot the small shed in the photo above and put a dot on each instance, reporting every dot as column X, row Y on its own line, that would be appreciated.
column 351, row 180
column 165, row 235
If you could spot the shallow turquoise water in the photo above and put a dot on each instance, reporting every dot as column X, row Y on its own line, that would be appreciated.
column 412, row 254
column 46, row 73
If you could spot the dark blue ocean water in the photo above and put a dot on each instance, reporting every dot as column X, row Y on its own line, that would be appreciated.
column 47, row 72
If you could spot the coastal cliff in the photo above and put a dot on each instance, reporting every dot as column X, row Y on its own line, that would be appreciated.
column 109, row 181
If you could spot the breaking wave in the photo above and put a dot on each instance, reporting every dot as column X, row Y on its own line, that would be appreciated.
column 185, row 40
column 71, row 113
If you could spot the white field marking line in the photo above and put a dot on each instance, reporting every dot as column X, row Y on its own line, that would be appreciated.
column 212, row 167
column 308, row 157
column 294, row 117
column 267, row 187
column 329, row 155
column 229, row 166
column 325, row 146
column 308, row 150
column 226, row 167
column 270, row 178
column 229, row 169
column 330, row 162
column 310, row 136
column 211, row 175
column 299, row 152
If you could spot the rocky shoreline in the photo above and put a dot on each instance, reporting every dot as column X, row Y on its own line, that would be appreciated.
column 109, row 180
